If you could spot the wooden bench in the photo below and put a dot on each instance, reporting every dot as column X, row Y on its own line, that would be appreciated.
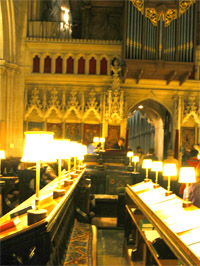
column 81, row 248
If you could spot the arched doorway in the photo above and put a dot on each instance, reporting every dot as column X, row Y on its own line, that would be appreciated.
column 149, row 125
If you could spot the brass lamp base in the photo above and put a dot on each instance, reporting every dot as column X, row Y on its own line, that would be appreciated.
column 186, row 204
column 168, row 193
column 79, row 171
column 68, row 182
column 74, row 176
column 156, row 186
column 58, row 193
column 147, row 180
column 35, row 216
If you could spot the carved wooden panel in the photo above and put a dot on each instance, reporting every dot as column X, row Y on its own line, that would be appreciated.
column 73, row 131
column 113, row 136
column 90, row 131
column 56, row 128
column 187, row 137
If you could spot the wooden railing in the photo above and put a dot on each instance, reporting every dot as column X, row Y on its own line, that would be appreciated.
column 45, row 241
column 175, row 225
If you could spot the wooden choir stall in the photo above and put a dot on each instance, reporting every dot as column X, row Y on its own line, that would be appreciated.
column 158, row 230
column 44, row 242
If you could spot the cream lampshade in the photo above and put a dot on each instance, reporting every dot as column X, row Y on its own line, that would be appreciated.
column 169, row 170
column 2, row 156
column 102, row 141
column 130, row 155
column 74, row 147
column 61, row 152
column 187, row 175
column 157, row 166
column 135, row 160
column 147, row 164
column 96, row 139
column 82, row 153
column 38, row 147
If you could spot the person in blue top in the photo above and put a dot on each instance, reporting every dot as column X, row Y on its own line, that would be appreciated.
column 93, row 148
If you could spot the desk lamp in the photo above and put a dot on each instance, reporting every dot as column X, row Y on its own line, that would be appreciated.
column 187, row 175
column 135, row 159
column 130, row 155
column 146, row 164
column 82, row 153
column 2, row 156
column 61, row 152
column 169, row 170
column 102, row 141
column 38, row 147
column 74, row 149
column 157, row 166
column 96, row 141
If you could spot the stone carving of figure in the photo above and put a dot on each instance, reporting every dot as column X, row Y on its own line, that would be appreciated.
column 116, row 69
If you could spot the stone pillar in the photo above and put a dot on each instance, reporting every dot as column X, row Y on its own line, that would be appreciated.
column 76, row 65
column 2, row 107
column 87, row 65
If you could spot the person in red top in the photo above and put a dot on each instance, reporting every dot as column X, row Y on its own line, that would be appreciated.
column 192, row 161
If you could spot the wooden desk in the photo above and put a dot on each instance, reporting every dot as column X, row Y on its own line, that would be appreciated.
column 178, row 227
column 45, row 241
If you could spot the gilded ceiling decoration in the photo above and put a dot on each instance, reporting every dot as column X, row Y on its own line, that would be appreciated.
column 168, row 16
column 184, row 5
column 139, row 4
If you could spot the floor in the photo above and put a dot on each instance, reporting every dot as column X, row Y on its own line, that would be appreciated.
column 110, row 249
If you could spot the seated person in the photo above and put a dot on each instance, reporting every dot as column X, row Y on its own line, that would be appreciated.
column 119, row 145
column 194, row 190
column 93, row 148
column 150, row 155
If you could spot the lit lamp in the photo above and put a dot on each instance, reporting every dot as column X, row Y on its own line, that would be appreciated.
column 60, row 152
column 96, row 139
column 83, row 151
column 169, row 170
column 102, row 141
column 187, row 175
column 157, row 166
column 74, row 146
column 2, row 156
column 146, row 164
column 130, row 155
column 135, row 159
column 38, row 148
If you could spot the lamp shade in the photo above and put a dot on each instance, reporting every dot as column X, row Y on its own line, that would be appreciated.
column 169, row 169
column 157, row 166
column 129, row 154
column 102, row 140
column 38, row 146
column 147, row 163
column 82, row 150
column 2, row 154
column 61, row 149
column 74, row 148
column 135, row 159
column 187, row 175
column 96, row 139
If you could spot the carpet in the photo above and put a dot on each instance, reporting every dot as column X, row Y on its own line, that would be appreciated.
column 82, row 245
